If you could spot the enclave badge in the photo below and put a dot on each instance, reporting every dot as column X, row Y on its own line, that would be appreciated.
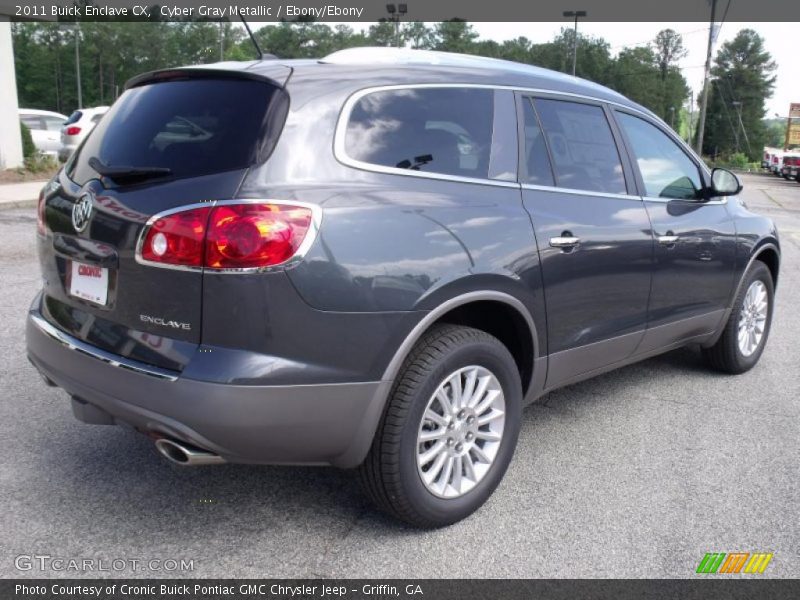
column 82, row 210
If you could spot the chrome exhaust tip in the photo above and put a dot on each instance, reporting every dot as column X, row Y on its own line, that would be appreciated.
column 185, row 455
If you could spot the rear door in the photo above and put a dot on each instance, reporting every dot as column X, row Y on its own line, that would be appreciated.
column 205, row 130
column 593, row 235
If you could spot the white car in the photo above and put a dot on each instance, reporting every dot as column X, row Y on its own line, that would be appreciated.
column 77, row 127
column 45, row 128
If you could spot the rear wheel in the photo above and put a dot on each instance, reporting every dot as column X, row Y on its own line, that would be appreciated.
column 449, row 430
column 747, row 328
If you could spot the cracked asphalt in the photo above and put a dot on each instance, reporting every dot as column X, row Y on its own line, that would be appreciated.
column 637, row 473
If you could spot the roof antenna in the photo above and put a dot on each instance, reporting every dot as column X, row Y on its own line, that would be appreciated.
column 252, row 37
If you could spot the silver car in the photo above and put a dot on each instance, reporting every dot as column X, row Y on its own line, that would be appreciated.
column 77, row 127
column 45, row 127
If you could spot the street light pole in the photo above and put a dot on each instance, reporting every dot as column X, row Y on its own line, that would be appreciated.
column 78, row 63
column 577, row 14
column 701, row 125
column 395, row 14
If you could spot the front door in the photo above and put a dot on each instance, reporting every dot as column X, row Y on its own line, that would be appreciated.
column 593, row 235
column 695, row 237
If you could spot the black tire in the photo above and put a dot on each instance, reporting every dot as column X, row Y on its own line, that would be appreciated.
column 725, row 354
column 389, row 475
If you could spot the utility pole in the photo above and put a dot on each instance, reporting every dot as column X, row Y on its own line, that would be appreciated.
column 78, row 63
column 576, row 14
column 701, row 125
column 221, row 41
column 396, row 13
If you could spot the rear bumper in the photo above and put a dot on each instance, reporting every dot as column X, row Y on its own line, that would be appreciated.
column 329, row 424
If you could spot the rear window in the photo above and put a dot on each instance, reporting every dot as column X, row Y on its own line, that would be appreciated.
column 74, row 118
column 192, row 127
column 437, row 130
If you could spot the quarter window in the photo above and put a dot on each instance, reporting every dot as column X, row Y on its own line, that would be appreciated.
column 435, row 130
column 582, row 147
column 666, row 170
column 537, row 162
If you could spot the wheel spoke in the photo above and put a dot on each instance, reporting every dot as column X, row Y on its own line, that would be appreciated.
column 447, row 405
column 431, row 453
column 490, row 397
column 489, row 417
column 431, row 435
column 432, row 473
column 489, row 436
column 469, row 388
column 480, row 454
column 455, row 386
column 435, row 417
column 469, row 469
column 457, row 477
column 480, row 390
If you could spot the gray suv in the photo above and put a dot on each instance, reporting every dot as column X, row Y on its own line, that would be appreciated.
column 376, row 260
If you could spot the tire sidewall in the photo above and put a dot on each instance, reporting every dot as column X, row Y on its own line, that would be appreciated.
column 496, row 359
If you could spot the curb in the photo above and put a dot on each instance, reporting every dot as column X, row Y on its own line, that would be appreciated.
column 19, row 204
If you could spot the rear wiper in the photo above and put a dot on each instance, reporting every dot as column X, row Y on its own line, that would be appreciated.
column 122, row 173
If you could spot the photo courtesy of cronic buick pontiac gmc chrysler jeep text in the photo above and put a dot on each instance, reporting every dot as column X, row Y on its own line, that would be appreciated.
column 377, row 259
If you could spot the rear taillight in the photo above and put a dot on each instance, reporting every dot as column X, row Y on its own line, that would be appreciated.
column 177, row 238
column 40, row 226
column 73, row 130
column 230, row 235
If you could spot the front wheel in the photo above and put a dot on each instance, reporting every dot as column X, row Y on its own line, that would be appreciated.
column 746, row 331
column 449, row 430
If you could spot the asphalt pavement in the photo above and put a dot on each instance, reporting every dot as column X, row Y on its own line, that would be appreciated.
column 636, row 473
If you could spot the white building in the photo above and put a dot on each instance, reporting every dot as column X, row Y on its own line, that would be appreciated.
column 10, row 139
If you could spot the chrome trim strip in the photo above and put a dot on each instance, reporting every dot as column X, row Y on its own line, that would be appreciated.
column 344, row 116
column 724, row 200
column 308, row 241
column 106, row 357
column 552, row 188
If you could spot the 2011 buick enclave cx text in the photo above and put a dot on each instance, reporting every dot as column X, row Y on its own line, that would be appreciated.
column 375, row 260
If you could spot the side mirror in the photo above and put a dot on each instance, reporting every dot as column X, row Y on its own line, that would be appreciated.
column 724, row 183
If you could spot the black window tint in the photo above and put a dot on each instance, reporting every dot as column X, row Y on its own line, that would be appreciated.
column 537, row 162
column 666, row 170
column 192, row 127
column 73, row 118
column 438, row 130
column 582, row 147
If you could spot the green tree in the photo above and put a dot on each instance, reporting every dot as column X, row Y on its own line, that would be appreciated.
column 743, row 79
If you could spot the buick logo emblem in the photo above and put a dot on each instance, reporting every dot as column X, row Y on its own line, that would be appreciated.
column 81, row 211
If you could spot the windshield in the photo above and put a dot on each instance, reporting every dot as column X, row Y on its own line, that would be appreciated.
column 189, row 127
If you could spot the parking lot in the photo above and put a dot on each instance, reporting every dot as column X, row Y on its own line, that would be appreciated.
column 637, row 473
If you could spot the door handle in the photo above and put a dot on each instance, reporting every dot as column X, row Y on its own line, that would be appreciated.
column 667, row 240
column 564, row 241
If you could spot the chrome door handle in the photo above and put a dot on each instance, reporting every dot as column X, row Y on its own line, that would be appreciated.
column 667, row 240
column 564, row 242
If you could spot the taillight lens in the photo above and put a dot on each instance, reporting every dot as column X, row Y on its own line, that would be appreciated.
column 40, row 226
column 177, row 239
column 242, row 236
column 228, row 236
column 73, row 130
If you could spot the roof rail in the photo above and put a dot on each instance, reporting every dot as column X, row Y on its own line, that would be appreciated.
column 407, row 56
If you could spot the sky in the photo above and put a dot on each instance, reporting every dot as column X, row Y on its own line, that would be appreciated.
column 779, row 39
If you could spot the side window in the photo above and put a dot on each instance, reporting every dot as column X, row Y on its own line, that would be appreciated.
column 436, row 130
column 53, row 123
column 584, row 154
column 537, row 163
column 666, row 169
